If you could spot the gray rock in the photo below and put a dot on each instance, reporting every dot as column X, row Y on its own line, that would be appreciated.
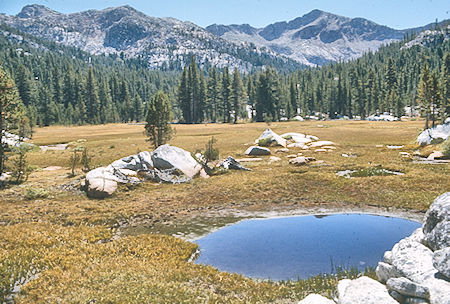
column 388, row 257
column 255, row 150
column 100, row 183
column 436, row 227
column 398, row 297
column 408, row 288
column 268, row 134
column 141, row 161
column 231, row 163
column 386, row 271
column 363, row 290
column 412, row 300
column 316, row 299
column 441, row 261
column 413, row 260
column 169, row 157
column 301, row 160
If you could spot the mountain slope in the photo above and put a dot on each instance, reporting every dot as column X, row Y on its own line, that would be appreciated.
column 315, row 38
column 163, row 42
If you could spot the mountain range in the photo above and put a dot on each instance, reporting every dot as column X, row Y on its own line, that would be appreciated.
column 167, row 43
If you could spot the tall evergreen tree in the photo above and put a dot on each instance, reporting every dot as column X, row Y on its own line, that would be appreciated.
column 158, row 117
column 91, row 98
column 237, row 94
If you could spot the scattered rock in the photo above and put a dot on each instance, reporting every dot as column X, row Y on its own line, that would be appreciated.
column 292, row 156
column 4, row 176
column 394, row 147
column 301, row 140
column 321, row 143
column 298, row 145
column 329, row 147
column 58, row 147
column 379, row 146
column 321, row 150
column 386, row 271
column 282, row 150
column 250, row 159
column 301, row 160
column 436, row 226
column 255, row 150
column 408, row 288
column 169, row 157
column 268, row 134
column 52, row 168
column 231, row 163
column 363, row 290
column 439, row 132
column 298, row 118
column 141, row 161
column 441, row 261
column 412, row 300
column 299, row 154
column 396, row 296
column 312, row 137
column 290, row 135
column 381, row 117
column 100, row 183
column 404, row 154
column 435, row 155
column 316, row 299
column 273, row 159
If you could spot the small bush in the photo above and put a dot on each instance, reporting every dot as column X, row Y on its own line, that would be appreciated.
column 266, row 142
column 211, row 153
column 445, row 147
column 35, row 193
column 437, row 141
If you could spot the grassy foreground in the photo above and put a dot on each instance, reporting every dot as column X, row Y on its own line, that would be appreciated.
column 69, row 245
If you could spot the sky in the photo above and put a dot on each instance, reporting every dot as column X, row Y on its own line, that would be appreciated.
column 399, row 14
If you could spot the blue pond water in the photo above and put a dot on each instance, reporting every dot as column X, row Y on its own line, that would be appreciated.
column 303, row 246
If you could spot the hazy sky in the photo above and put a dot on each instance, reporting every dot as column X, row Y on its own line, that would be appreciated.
column 398, row 14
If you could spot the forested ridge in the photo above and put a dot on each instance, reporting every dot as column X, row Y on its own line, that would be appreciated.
column 63, row 85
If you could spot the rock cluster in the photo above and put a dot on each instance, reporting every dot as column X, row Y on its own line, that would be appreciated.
column 167, row 163
column 439, row 132
column 416, row 270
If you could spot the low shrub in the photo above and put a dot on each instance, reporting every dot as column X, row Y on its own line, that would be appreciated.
column 35, row 193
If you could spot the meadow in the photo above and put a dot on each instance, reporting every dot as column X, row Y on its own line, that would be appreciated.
column 67, row 248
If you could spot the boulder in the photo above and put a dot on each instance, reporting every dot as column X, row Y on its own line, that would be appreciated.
column 441, row 261
column 290, row 135
column 301, row 160
column 101, row 183
column 438, row 132
column 386, row 271
column 100, row 187
column 363, row 290
column 316, row 299
column 320, row 150
column 301, row 140
column 412, row 300
column 298, row 145
column 298, row 118
column 231, row 163
column 255, row 150
column 273, row 159
column 436, row 227
column 321, row 143
column 141, row 161
column 439, row 291
column 413, row 260
column 282, row 150
column 167, row 157
column 435, row 155
column 273, row 137
column 312, row 137
column 408, row 288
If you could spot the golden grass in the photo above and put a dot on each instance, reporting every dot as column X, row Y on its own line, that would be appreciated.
column 155, row 267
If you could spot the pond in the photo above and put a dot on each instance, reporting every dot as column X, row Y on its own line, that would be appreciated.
column 300, row 247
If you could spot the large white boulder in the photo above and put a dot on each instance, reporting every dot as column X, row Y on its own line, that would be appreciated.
column 101, row 183
column 141, row 161
column 440, row 131
column 255, row 150
column 170, row 157
column 316, row 299
column 363, row 290
column 436, row 227
column 270, row 135
column 298, row 118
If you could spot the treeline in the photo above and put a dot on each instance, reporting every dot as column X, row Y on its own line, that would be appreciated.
column 385, row 81
column 63, row 85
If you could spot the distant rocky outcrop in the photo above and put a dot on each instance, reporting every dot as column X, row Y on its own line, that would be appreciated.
column 416, row 270
column 440, row 132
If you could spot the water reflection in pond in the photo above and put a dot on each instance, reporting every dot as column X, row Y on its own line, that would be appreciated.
column 300, row 247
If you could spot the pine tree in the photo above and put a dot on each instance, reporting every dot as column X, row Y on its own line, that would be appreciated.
column 237, row 94
column 213, row 94
column 91, row 97
column 11, row 110
column 184, row 100
column 425, row 94
column 138, row 108
column 445, row 87
column 158, row 117
column 226, row 95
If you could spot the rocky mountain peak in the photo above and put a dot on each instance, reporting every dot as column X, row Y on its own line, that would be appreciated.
column 35, row 11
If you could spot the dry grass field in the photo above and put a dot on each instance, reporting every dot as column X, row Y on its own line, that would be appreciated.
column 74, row 243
